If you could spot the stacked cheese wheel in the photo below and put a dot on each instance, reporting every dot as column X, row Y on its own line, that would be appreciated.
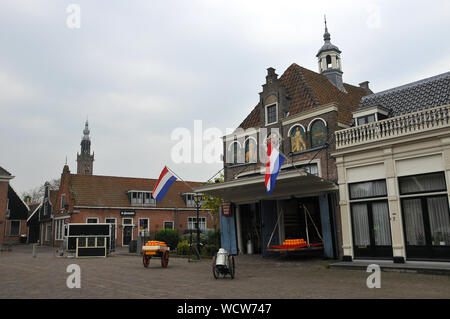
column 294, row 242
column 156, row 243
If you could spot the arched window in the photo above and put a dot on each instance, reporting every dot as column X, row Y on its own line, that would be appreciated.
column 328, row 61
column 318, row 133
column 251, row 154
column 234, row 148
column 298, row 138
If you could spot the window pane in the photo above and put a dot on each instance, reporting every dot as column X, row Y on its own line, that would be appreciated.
column 439, row 220
column 360, row 224
column 412, row 213
column 381, row 225
column 422, row 183
column 271, row 114
column 368, row 189
column 15, row 228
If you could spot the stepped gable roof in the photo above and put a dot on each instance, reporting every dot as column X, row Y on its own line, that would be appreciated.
column 308, row 89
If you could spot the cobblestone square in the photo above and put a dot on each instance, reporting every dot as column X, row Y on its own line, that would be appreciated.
column 123, row 276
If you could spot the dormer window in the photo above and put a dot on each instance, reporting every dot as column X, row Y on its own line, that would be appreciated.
column 370, row 114
column 271, row 114
column 366, row 119
column 141, row 198
column 189, row 199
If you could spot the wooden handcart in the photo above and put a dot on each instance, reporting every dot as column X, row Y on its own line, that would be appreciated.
column 155, row 249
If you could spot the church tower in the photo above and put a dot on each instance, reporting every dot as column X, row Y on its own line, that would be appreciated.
column 329, row 58
column 85, row 161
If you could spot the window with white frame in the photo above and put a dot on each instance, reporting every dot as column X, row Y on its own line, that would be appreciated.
column 271, row 114
column 141, row 198
column 168, row 225
column 15, row 228
column 59, row 229
column 192, row 223
column 92, row 220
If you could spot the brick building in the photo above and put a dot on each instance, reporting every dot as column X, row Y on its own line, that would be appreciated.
column 126, row 202
column 299, row 111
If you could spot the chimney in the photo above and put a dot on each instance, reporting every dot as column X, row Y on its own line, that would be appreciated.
column 271, row 76
column 365, row 85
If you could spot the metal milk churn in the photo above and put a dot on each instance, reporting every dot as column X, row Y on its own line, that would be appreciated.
column 222, row 258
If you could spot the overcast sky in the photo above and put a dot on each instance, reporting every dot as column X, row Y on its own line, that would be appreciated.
column 140, row 69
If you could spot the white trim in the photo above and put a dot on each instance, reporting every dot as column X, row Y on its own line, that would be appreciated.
column 19, row 197
column 298, row 124
column 229, row 146
column 91, row 218
column 169, row 221
column 139, row 223
column 34, row 212
column 315, row 119
column 206, row 223
column 276, row 113
column 127, row 225
column 115, row 223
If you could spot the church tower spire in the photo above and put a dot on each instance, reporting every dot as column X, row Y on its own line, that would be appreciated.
column 85, row 161
column 329, row 58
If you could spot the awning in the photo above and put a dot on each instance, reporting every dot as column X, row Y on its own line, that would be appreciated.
column 289, row 184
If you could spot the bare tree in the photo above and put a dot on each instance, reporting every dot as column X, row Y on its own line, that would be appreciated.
column 37, row 194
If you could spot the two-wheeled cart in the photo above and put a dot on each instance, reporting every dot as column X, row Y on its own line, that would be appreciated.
column 223, row 264
column 155, row 249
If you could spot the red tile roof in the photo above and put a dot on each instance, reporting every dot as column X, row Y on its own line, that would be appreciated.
column 110, row 191
column 308, row 89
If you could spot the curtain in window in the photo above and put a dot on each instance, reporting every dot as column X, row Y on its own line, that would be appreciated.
column 360, row 224
column 439, row 220
column 381, row 225
column 368, row 189
column 422, row 183
column 412, row 213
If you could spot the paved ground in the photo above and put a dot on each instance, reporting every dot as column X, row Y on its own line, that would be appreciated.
column 123, row 276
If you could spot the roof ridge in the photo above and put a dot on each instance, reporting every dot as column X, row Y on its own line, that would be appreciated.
column 125, row 177
column 409, row 85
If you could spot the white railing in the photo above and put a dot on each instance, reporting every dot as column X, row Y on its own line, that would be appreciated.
column 421, row 121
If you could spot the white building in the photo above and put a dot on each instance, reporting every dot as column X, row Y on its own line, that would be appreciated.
column 394, row 174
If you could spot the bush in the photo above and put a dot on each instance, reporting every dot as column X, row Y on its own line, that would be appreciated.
column 210, row 250
column 169, row 236
column 183, row 248
column 214, row 237
column 187, row 237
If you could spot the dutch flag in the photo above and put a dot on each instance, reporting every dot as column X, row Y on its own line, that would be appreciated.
column 165, row 180
column 273, row 165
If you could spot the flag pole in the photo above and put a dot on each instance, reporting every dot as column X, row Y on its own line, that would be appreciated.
column 180, row 178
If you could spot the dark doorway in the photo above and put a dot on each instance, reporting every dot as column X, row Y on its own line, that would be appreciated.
column 127, row 235
column 426, row 221
column 371, row 229
column 251, row 226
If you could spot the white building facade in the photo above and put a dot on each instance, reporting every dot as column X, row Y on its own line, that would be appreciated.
column 394, row 174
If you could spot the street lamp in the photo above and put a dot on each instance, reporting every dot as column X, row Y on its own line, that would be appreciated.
column 197, row 198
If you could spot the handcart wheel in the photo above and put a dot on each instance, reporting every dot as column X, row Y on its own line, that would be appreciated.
column 231, row 266
column 165, row 259
column 146, row 261
column 214, row 268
